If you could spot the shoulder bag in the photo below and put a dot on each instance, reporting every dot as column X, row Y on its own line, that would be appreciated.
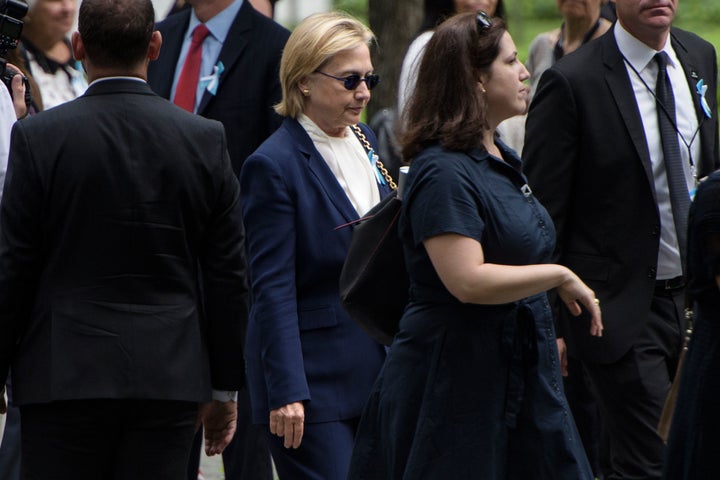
column 374, row 282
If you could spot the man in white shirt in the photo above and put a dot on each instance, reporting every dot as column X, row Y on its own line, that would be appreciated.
column 599, row 157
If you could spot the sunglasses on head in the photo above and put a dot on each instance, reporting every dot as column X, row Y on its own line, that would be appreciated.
column 483, row 21
column 351, row 82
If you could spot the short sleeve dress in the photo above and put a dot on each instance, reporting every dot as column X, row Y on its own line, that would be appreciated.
column 470, row 391
column 694, row 443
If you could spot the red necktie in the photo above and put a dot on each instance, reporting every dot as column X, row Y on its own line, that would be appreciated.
column 186, row 88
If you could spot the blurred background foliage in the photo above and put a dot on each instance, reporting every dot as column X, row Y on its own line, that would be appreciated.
column 529, row 17
column 357, row 8
column 526, row 19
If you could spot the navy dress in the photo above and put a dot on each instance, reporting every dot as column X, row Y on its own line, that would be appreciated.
column 470, row 391
column 694, row 443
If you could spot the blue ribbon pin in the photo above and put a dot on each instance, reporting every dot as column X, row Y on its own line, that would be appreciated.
column 373, row 161
column 210, row 83
column 701, row 90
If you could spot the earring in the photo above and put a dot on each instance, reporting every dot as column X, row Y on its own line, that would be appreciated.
column 483, row 91
column 306, row 92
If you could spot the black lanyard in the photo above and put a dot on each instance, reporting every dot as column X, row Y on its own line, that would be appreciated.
column 673, row 121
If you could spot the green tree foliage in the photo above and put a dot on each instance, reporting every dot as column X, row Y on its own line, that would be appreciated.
column 356, row 8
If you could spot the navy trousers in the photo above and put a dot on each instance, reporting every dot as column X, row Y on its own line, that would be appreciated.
column 324, row 453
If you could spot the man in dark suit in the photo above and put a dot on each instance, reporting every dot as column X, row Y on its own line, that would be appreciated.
column 123, row 290
column 599, row 159
column 238, row 85
column 238, row 79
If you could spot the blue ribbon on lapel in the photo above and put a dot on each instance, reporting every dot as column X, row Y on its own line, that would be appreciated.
column 210, row 82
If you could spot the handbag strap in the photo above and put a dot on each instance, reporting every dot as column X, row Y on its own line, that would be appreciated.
column 368, row 148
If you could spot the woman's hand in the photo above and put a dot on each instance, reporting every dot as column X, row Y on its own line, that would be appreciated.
column 574, row 292
column 289, row 422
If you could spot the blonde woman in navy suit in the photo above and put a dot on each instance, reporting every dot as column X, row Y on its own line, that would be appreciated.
column 310, row 368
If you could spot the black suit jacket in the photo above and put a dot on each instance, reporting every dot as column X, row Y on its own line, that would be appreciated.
column 117, row 207
column 248, row 88
column 587, row 161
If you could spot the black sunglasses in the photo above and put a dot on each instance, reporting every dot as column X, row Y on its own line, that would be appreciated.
column 351, row 82
column 483, row 20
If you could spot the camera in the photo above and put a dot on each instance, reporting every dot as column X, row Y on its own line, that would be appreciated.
column 11, row 14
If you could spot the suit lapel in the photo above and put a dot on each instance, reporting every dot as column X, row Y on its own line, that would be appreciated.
column 693, row 75
column 383, row 189
column 621, row 89
column 232, row 49
column 321, row 172
column 172, row 44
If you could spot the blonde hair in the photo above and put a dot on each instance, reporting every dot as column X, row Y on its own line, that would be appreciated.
column 312, row 43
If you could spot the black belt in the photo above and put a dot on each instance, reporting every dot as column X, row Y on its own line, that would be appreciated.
column 670, row 284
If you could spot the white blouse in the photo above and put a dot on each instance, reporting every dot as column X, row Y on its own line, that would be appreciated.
column 349, row 162
column 67, row 83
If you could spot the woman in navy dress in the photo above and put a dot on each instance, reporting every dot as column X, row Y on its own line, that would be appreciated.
column 694, row 444
column 471, row 387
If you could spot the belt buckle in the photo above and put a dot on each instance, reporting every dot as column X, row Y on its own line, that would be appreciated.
column 672, row 283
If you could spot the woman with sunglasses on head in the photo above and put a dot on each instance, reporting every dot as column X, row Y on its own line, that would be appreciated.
column 471, row 387
column 310, row 368
column 435, row 11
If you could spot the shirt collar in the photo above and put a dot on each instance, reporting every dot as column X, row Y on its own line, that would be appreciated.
column 315, row 132
column 637, row 53
column 220, row 24
column 508, row 155
column 103, row 79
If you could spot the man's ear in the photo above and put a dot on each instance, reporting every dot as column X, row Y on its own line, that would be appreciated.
column 154, row 47
column 78, row 48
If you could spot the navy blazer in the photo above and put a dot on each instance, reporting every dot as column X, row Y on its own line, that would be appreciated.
column 108, row 232
column 249, row 86
column 588, row 163
column 301, row 344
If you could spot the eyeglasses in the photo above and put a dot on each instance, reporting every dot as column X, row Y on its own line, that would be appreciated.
column 483, row 21
column 351, row 82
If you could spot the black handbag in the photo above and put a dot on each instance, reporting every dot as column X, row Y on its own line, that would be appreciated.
column 374, row 281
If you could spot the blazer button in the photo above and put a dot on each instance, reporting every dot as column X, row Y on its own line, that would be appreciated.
column 656, row 230
column 651, row 272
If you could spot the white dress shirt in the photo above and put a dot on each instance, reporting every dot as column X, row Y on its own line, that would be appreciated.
column 642, row 71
